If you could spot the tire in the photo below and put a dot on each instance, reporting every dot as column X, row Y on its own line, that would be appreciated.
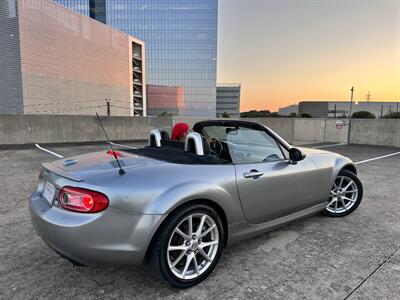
column 338, row 205
column 161, row 259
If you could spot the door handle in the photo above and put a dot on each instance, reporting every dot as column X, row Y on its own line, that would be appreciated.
column 253, row 174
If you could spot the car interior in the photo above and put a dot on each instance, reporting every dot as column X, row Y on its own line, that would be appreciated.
column 214, row 144
column 195, row 150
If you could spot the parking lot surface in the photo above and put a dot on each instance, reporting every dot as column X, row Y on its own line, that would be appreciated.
column 355, row 257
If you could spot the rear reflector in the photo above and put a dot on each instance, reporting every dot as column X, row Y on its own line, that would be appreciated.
column 82, row 200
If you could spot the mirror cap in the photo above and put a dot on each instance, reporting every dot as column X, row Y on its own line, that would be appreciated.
column 295, row 155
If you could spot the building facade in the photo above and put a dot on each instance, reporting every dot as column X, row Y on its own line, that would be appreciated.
column 165, row 100
column 228, row 100
column 181, row 42
column 57, row 61
column 288, row 110
column 340, row 109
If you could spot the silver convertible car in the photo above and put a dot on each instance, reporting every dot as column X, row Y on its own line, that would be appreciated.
column 177, row 205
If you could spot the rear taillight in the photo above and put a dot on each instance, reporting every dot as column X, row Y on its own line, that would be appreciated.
column 82, row 200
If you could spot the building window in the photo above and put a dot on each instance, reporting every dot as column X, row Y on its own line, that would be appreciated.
column 12, row 8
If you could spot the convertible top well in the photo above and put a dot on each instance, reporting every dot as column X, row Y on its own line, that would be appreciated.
column 196, row 149
column 175, row 155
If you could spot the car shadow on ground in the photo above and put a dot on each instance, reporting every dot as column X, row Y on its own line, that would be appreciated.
column 250, row 258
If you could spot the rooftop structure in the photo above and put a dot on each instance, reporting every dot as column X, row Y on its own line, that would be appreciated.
column 228, row 99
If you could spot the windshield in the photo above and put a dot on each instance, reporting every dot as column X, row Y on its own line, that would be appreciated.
column 246, row 145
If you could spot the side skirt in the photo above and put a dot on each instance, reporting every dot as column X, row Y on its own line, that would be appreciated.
column 243, row 230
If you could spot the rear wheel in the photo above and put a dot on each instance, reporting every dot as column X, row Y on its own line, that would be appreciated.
column 188, row 246
column 345, row 196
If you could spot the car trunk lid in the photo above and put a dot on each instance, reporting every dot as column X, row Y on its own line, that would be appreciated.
column 83, row 166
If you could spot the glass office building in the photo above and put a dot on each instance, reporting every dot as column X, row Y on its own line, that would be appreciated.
column 81, row 6
column 181, row 42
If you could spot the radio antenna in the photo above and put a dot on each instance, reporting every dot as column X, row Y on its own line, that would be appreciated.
column 121, row 171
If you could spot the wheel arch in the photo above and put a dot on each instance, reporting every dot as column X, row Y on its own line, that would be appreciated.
column 350, row 167
column 220, row 211
column 342, row 163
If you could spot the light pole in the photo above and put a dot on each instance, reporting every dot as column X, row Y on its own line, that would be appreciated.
column 351, row 108
column 108, row 107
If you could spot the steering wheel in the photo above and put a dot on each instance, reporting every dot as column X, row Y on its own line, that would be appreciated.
column 271, row 157
column 216, row 146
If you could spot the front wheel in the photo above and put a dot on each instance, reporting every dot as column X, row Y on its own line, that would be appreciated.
column 188, row 245
column 345, row 196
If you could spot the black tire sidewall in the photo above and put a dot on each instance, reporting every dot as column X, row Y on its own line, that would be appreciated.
column 173, row 220
column 359, row 197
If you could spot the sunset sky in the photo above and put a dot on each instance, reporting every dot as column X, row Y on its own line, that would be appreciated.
column 286, row 51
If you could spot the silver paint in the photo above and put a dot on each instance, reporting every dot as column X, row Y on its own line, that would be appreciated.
column 141, row 199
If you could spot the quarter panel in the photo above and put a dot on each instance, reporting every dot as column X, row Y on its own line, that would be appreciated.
column 109, row 238
column 158, row 189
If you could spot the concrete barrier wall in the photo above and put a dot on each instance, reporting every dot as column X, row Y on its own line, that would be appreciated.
column 309, row 130
column 334, row 134
column 188, row 120
column 375, row 132
column 29, row 129
column 320, row 130
column 282, row 126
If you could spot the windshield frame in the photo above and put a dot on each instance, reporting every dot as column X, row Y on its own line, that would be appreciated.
column 281, row 143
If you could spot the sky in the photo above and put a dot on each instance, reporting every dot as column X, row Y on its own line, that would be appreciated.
column 286, row 51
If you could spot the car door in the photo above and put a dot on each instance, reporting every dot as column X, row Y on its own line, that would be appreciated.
column 269, row 186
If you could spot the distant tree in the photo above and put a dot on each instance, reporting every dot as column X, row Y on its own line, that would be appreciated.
column 256, row 114
column 363, row 115
column 304, row 115
column 165, row 114
column 293, row 115
column 392, row 115
column 225, row 115
column 260, row 114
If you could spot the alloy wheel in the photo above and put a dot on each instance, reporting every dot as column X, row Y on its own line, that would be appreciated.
column 343, row 195
column 193, row 246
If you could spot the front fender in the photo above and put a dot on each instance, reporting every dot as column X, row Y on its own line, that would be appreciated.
column 341, row 163
column 177, row 195
column 330, row 165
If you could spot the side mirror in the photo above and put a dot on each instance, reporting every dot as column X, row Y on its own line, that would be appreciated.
column 295, row 155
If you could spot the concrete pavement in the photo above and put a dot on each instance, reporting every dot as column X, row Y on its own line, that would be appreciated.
column 357, row 256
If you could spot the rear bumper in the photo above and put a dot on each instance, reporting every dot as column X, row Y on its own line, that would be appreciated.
column 109, row 238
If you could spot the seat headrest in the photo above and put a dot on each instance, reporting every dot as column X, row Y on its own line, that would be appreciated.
column 195, row 144
column 155, row 138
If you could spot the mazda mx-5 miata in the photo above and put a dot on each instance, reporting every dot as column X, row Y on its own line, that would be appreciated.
column 177, row 205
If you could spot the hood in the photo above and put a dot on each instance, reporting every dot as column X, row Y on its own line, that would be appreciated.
column 87, row 165
column 314, row 151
